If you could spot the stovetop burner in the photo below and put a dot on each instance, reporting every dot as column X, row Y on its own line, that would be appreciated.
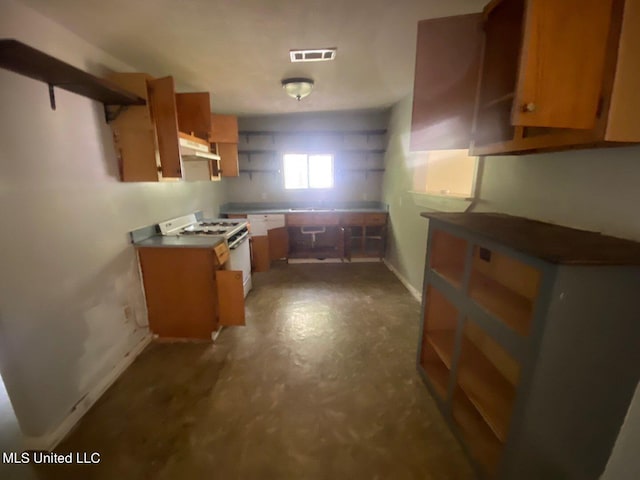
column 202, row 231
column 218, row 224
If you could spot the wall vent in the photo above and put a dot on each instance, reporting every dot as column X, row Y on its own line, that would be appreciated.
column 313, row 55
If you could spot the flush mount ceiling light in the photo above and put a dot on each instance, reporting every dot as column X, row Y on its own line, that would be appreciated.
column 297, row 88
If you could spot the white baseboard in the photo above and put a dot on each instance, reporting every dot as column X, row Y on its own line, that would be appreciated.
column 49, row 440
column 415, row 293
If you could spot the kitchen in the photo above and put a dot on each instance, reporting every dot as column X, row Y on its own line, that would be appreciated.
column 73, row 270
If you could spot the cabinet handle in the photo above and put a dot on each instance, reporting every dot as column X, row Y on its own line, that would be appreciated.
column 529, row 107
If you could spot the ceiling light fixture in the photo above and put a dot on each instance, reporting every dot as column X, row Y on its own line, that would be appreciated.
column 297, row 88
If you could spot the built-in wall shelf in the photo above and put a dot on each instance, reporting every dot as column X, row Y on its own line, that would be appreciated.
column 32, row 63
column 313, row 133
column 251, row 171
column 341, row 151
column 366, row 171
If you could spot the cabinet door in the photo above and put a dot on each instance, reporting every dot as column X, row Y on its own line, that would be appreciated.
column 194, row 113
column 224, row 129
column 230, row 297
column 562, row 63
column 278, row 243
column 163, row 109
column 260, row 260
column 228, row 159
column 446, row 78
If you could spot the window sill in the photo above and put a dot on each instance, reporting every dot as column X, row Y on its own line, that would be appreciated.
column 442, row 202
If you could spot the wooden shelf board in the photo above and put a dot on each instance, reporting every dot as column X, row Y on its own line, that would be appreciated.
column 442, row 342
column 27, row 61
column 490, row 393
column 451, row 275
column 438, row 375
column 371, row 132
column 499, row 100
column 510, row 307
column 482, row 443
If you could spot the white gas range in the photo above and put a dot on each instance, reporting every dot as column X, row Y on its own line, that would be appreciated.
column 234, row 231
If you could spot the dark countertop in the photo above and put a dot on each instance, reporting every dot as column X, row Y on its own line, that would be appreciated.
column 553, row 243
column 174, row 241
column 297, row 207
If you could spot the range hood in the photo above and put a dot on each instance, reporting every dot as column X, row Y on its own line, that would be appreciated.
column 198, row 163
column 195, row 149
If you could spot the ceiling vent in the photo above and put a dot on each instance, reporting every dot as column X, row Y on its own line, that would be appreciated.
column 313, row 55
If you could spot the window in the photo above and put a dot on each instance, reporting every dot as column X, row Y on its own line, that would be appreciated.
column 308, row 171
column 444, row 172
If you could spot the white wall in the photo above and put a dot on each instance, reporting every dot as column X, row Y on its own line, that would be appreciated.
column 348, row 186
column 590, row 189
column 68, row 270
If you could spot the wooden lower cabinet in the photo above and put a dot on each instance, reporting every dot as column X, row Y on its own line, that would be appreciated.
column 365, row 235
column 529, row 342
column 260, row 257
column 188, row 292
column 278, row 243
column 338, row 235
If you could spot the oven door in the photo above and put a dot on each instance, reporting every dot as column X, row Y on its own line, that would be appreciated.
column 240, row 259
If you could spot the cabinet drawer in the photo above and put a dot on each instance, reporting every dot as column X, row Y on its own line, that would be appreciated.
column 221, row 252
column 352, row 219
column 309, row 219
column 375, row 219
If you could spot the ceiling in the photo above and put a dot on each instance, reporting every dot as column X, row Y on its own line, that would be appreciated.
column 238, row 50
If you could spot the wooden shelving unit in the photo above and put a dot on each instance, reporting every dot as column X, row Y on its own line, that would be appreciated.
column 485, row 448
column 312, row 133
column 32, row 63
column 508, row 306
column 513, row 327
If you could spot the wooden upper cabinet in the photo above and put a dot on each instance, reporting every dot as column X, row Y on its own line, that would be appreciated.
column 194, row 113
column 557, row 75
column 228, row 159
column 446, row 76
column 224, row 129
column 562, row 63
column 146, row 136
column 163, row 107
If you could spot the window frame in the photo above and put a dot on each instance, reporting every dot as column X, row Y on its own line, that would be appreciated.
column 309, row 154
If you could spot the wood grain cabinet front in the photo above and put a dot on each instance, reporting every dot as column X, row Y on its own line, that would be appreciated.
column 146, row 137
column 552, row 76
column 557, row 75
column 224, row 134
column 188, row 291
column 193, row 114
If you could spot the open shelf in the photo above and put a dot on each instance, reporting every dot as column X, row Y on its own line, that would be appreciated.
column 437, row 372
column 484, row 384
column 482, row 443
column 32, row 63
column 448, row 256
column 508, row 306
column 443, row 342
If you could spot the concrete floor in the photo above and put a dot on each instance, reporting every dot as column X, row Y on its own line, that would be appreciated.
column 320, row 384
